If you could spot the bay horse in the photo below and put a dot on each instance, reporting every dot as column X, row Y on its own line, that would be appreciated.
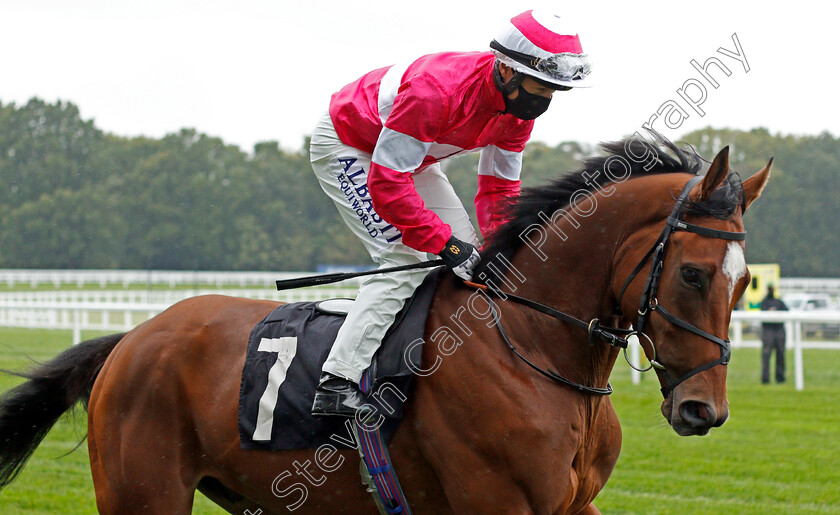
column 483, row 432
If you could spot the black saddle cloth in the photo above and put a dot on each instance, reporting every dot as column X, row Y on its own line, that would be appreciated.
column 286, row 351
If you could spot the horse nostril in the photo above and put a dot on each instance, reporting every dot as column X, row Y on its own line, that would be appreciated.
column 698, row 414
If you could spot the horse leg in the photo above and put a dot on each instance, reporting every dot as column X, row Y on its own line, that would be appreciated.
column 227, row 499
column 140, row 473
column 144, row 454
column 442, row 475
column 590, row 510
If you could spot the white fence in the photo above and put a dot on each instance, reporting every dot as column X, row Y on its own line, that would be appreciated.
column 121, row 310
column 793, row 321
column 79, row 278
column 124, row 278
column 172, row 278
column 829, row 285
column 36, row 298
column 793, row 326
column 78, row 317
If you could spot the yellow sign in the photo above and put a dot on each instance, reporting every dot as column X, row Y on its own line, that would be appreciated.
column 763, row 275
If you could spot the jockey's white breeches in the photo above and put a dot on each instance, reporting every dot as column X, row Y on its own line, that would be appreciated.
column 342, row 172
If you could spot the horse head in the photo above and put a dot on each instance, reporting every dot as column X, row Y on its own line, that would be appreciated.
column 637, row 236
column 688, row 278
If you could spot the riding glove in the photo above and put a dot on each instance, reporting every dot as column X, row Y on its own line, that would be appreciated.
column 460, row 257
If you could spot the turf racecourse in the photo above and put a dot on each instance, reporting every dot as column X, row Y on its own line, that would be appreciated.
column 778, row 454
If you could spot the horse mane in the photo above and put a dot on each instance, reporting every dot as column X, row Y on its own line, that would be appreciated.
column 660, row 156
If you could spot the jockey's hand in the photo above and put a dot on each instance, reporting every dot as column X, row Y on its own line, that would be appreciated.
column 460, row 257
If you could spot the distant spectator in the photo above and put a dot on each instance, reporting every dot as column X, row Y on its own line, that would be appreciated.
column 772, row 339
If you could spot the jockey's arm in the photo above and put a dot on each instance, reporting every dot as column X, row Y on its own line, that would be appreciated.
column 498, row 181
column 420, row 110
column 396, row 200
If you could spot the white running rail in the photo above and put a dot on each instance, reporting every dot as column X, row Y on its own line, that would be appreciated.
column 170, row 278
column 115, row 310
column 121, row 310
column 793, row 326
column 34, row 298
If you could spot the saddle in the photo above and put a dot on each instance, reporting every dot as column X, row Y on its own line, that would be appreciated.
column 285, row 353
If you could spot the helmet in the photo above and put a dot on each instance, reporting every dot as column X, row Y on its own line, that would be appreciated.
column 538, row 44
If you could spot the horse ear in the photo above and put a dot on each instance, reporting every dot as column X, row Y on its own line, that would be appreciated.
column 755, row 185
column 716, row 175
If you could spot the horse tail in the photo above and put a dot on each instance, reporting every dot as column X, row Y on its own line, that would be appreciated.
column 29, row 410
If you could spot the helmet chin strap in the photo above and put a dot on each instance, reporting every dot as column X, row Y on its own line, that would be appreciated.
column 511, row 85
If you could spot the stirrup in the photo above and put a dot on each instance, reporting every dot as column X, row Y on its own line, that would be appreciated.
column 336, row 396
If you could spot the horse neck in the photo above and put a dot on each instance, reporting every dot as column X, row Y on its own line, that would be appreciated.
column 571, row 271
column 572, row 268
column 576, row 257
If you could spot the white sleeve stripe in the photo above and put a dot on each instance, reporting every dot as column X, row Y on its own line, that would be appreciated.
column 501, row 163
column 399, row 151
column 388, row 87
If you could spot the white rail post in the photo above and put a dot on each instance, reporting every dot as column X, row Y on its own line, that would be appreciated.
column 77, row 327
column 737, row 334
column 797, row 355
column 635, row 375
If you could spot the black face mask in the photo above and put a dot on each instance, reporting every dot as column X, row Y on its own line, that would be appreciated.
column 526, row 106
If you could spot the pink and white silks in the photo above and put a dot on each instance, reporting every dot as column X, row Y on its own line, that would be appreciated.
column 376, row 154
column 410, row 117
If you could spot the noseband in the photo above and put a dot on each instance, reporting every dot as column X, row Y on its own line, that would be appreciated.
column 649, row 302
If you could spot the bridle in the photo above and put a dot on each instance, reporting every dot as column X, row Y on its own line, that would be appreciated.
column 648, row 304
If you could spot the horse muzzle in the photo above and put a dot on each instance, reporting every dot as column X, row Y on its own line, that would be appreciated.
column 693, row 417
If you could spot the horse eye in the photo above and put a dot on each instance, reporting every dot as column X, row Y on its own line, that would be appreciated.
column 691, row 276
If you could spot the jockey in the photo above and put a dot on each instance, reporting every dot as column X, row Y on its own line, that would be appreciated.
column 377, row 154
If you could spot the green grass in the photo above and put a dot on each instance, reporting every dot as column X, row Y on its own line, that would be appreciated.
column 778, row 454
column 54, row 482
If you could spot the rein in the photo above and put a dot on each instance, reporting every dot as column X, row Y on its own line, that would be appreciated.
column 649, row 303
column 593, row 328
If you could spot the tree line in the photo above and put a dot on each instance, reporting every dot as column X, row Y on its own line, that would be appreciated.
column 73, row 196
